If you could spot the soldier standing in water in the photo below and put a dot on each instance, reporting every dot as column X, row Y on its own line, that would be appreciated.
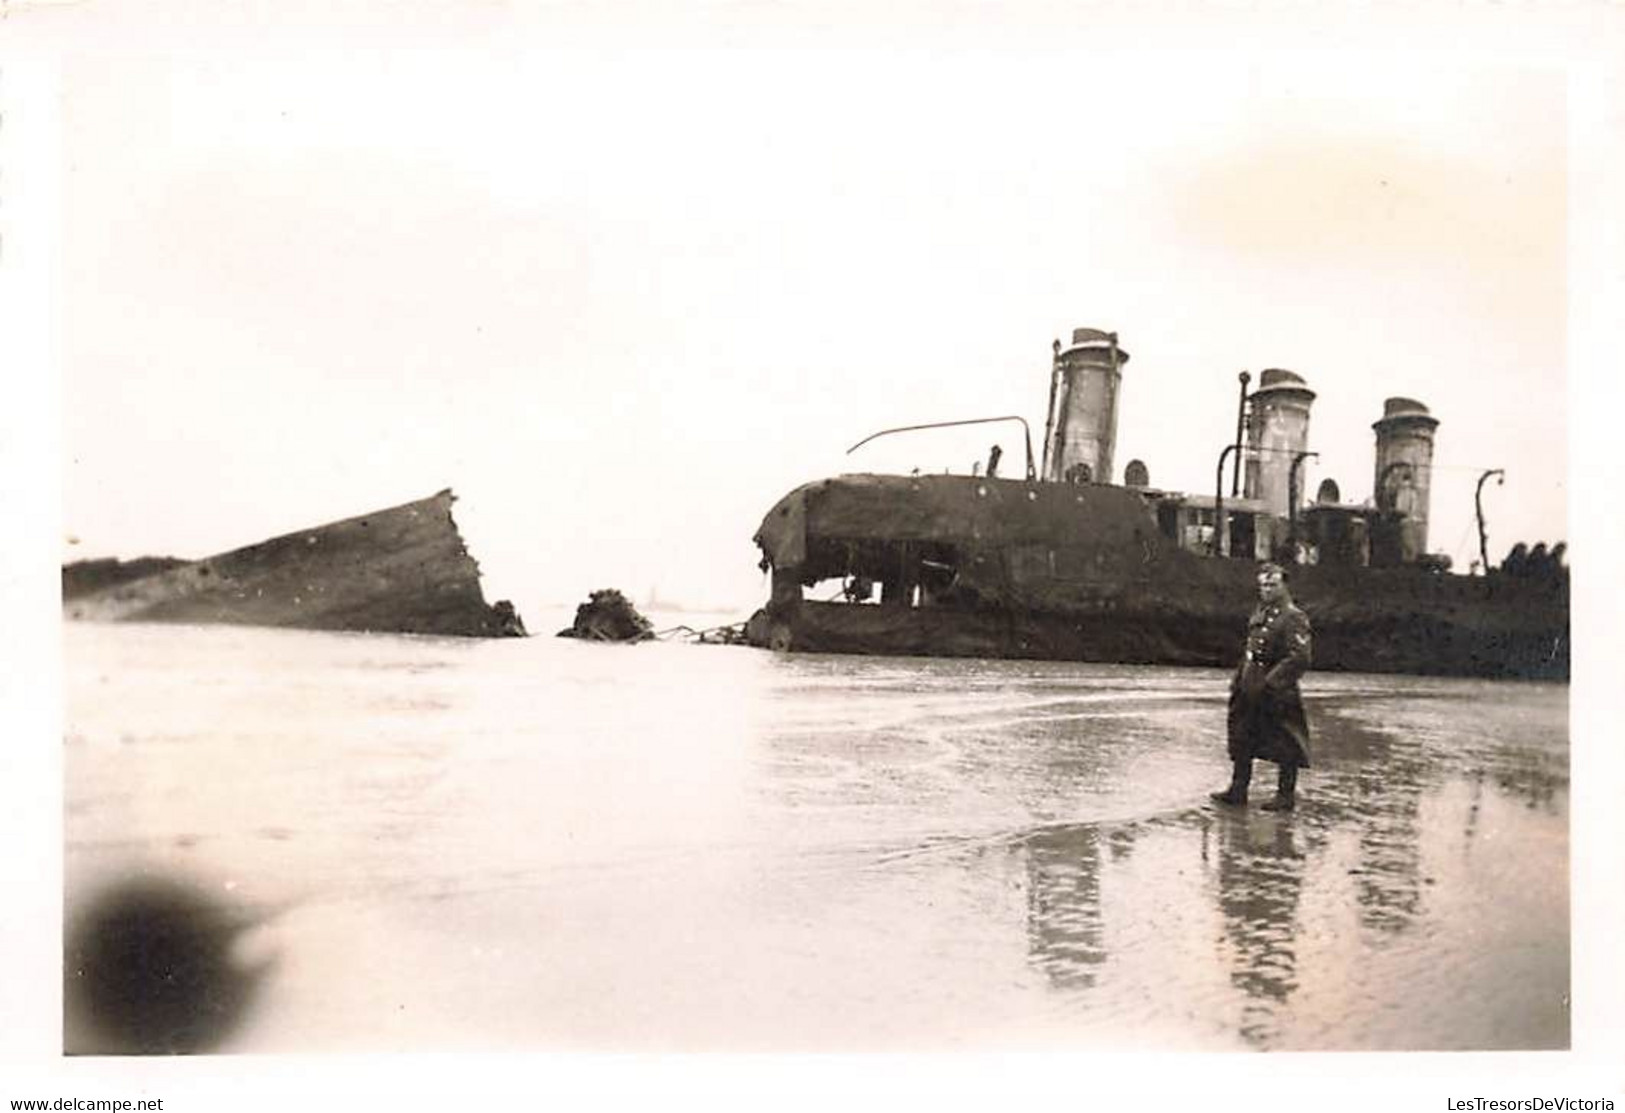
column 1266, row 718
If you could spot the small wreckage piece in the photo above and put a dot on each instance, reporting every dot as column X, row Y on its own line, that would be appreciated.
column 609, row 616
column 402, row 570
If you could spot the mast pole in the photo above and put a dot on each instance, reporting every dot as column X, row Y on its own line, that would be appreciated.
column 1241, row 420
column 1049, row 415
column 1478, row 507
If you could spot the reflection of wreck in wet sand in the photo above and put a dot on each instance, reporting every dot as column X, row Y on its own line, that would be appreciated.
column 1065, row 929
column 1260, row 880
column 401, row 570
column 1385, row 794
column 1064, row 564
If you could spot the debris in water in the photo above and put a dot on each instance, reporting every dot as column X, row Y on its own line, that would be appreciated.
column 609, row 616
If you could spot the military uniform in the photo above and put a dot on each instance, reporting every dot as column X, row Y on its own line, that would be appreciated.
column 1266, row 719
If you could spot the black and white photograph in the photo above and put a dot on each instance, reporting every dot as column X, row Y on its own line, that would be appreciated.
column 803, row 552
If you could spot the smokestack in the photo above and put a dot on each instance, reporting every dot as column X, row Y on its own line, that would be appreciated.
column 1277, row 430
column 1082, row 420
column 1404, row 469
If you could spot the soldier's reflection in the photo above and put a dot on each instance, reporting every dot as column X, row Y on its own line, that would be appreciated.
column 1064, row 926
column 1260, row 883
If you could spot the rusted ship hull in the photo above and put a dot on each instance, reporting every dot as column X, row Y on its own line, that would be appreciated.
column 404, row 569
column 821, row 627
column 972, row 567
column 1419, row 644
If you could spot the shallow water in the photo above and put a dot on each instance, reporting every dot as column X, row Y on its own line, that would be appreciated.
column 547, row 844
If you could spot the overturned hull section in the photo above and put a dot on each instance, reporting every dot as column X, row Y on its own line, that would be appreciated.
column 954, row 566
column 400, row 570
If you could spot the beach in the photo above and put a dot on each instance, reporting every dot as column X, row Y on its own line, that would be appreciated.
column 540, row 844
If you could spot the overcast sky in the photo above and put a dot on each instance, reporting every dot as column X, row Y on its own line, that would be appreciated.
column 621, row 289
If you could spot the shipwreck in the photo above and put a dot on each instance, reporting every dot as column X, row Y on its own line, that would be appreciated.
column 609, row 616
column 401, row 570
column 1062, row 564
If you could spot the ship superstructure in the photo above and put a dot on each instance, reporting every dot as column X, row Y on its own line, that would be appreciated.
column 1067, row 564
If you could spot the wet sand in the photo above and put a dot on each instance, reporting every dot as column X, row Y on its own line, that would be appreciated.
column 544, row 844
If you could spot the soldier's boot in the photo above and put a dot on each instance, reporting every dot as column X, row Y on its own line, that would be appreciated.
column 1286, row 787
column 1241, row 775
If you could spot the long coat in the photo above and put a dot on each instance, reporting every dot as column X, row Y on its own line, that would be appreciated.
column 1266, row 709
